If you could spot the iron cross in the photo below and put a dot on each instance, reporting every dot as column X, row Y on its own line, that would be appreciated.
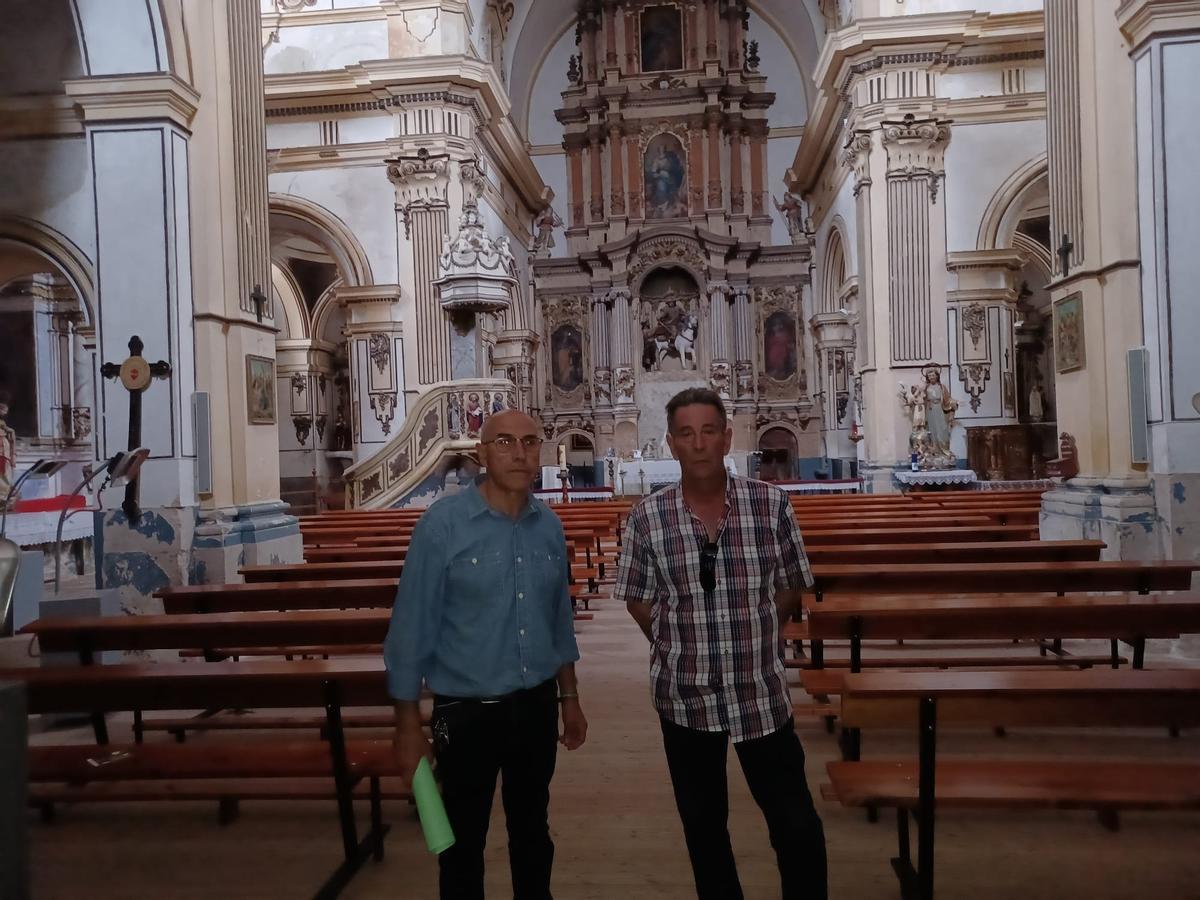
column 135, row 374
column 260, row 300
column 1064, row 254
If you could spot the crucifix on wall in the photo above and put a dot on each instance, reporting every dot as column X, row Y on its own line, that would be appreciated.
column 1064, row 254
column 136, row 375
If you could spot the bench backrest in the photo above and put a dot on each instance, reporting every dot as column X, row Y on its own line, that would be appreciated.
column 1090, row 698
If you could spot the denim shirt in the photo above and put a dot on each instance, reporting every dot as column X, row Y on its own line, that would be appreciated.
column 483, row 607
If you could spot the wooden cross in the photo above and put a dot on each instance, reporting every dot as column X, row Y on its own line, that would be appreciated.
column 135, row 374
column 260, row 300
column 1064, row 254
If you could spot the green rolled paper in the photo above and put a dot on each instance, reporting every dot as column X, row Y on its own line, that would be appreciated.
column 435, row 823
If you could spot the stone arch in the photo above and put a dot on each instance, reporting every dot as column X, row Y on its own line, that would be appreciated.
column 152, row 37
column 779, row 444
column 999, row 222
column 318, row 224
column 289, row 300
column 66, row 257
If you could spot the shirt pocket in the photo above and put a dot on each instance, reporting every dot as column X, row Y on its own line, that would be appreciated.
column 475, row 571
column 549, row 567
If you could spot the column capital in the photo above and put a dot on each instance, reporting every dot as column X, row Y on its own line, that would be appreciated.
column 856, row 156
column 916, row 147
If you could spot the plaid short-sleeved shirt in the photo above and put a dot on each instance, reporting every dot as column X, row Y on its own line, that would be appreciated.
column 716, row 660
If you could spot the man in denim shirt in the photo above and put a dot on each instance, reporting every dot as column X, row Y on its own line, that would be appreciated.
column 483, row 617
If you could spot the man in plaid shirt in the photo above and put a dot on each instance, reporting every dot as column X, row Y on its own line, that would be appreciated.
column 710, row 569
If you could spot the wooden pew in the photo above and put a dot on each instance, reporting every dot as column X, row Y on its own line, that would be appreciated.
column 355, row 593
column 915, row 534
column 334, row 685
column 1093, row 698
column 967, row 551
column 1034, row 577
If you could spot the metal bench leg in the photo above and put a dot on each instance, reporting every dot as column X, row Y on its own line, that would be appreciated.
column 356, row 853
column 377, row 816
column 925, row 797
column 902, row 864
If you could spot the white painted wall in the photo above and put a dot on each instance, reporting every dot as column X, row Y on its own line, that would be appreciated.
column 50, row 181
column 315, row 48
column 978, row 160
column 363, row 198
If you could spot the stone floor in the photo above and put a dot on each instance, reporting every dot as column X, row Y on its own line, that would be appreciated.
column 616, row 830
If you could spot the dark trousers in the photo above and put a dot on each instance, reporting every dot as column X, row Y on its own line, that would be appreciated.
column 774, row 770
column 516, row 738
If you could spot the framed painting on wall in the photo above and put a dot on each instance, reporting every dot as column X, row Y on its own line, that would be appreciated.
column 260, row 389
column 1068, row 333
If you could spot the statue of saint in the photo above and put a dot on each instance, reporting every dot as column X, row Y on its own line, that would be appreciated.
column 545, row 224
column 931, row 409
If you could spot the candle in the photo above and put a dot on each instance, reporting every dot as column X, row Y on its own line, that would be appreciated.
column 562, row 456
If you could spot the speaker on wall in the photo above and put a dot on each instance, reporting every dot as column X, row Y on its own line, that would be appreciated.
column 202, row 428
column 1139, row 405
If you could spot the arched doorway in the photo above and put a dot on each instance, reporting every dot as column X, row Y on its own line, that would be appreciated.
column 581, row 459
column 312, row 255
column 779, row 455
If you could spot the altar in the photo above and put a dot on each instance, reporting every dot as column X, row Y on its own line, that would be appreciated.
column 645, row 476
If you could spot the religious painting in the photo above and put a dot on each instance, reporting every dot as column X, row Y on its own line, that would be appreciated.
column 260, row 389
column 566, row 358
column 662, row 38
column 1068, row 333
column 664, row 168
column 779, row 345
column 670, row 329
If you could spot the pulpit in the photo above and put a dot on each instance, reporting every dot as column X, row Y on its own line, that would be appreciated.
column 1009, row 452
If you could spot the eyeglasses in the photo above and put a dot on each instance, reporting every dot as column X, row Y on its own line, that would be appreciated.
column 506, row 443
column 708, row 567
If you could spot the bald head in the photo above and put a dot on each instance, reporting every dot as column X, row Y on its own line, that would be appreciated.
column 511, row 421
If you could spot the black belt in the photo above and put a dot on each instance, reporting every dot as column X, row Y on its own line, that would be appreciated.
column 446, row 700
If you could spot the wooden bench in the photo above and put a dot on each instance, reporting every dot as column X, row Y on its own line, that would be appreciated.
column 357, row 593
column 989, row 577
column 334, row 685
column 1094, row 698
column 966, row 551
column 912, row 533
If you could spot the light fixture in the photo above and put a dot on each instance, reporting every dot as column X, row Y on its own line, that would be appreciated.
column 121, row 468
column 43, row 468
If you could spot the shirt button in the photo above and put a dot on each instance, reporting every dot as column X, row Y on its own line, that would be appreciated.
column 522, row 631
column 518, row 559
column 521, row 596
column 474, row 561
column 524, row 668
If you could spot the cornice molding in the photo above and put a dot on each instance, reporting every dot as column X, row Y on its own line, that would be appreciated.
column 394, row 83
column 125, row 98
column 939, row 40
column 1144, row 20
column 960, row 260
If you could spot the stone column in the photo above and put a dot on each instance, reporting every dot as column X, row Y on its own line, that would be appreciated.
column 375, row 336
column 596, row 150
column 743, row 346
column 601, row 350
column 720, row 370
column 757, row 132
column 423, row 212
column 632, row 49
column 621, row 343
column 691, row 35
column 737, row 196
column 575, row 163
column 735, row 13
column 180, row 269
column 633, row 154
column 834, row 345
column 616, row 173
column 712, row 49
column 83, row 383
column 982, row 307
column 611, row 17
column 696, row 166
column 1165, row 54
column 712, row 118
